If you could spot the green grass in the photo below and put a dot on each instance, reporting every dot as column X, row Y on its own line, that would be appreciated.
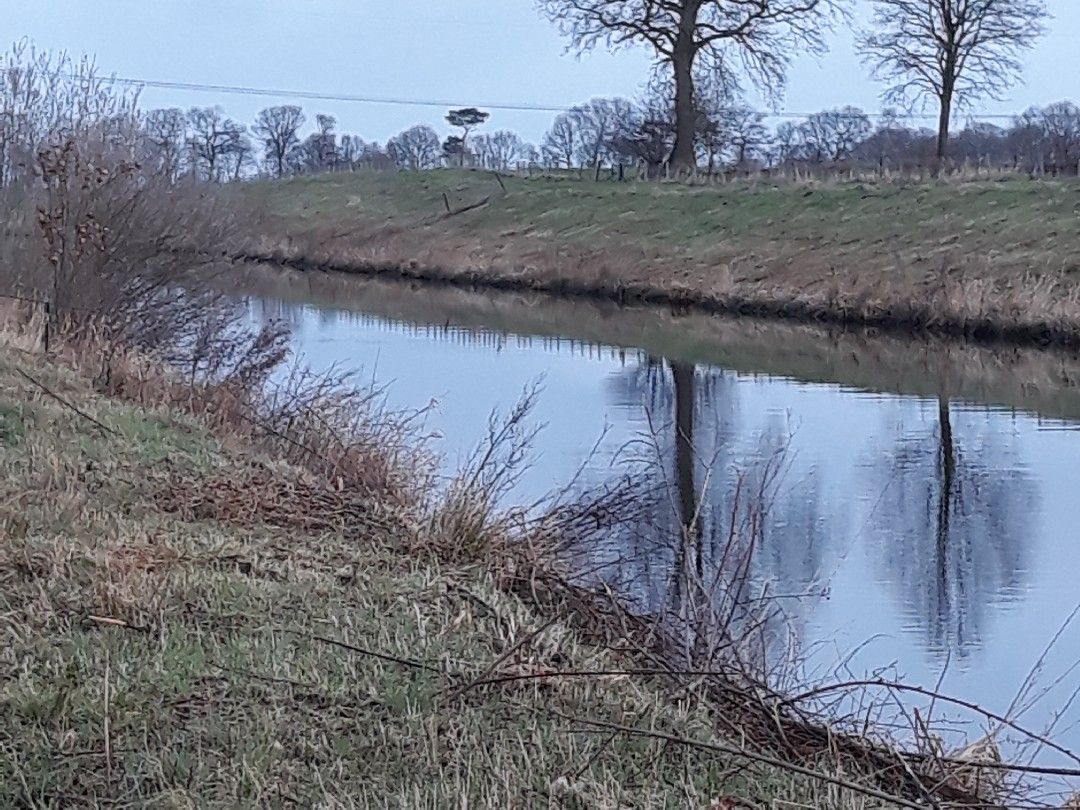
column 845, row 220
column 981, row 258
column 152, row 661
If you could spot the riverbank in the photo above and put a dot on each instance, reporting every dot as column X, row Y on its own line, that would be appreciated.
column 195, row 618
column 182, row 628
column 985, row 260
column 192, row 620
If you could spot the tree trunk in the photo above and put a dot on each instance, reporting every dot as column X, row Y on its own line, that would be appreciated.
column 944, row 121
column 947, row 483
column 682, row 155
column 683, row 377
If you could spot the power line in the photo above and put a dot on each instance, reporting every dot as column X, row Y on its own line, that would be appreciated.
column 226, row 89
column 317, row 96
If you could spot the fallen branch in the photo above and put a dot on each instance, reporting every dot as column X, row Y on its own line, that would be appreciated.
column 464, row 209
column 393, row 659
column 918, row 690
column 735, row 751
column 67, row 404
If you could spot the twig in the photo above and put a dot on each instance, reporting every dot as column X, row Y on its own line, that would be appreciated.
column 264, row 678
column 111, row 622
column 935, row 695
column 65, row 403
column 735, row 751
column 502, row 185
column 483, row 677
column 405, row 662
column 108, row 733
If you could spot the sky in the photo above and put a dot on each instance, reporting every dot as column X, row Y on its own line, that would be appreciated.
column 469, row 52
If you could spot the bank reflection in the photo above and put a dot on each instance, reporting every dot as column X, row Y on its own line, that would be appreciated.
column 936, row 494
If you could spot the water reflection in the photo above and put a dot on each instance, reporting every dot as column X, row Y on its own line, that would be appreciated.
column 719, row 536
column 954, row 529
column 918, row 483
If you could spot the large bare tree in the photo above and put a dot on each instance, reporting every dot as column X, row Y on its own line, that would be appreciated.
column 279, row 130
column 695, row 36
column 954, row 52
column 211, row 138
column 415, row 149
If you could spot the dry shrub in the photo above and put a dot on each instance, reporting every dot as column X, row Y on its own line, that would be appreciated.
column 118, row 252
column 341, row 432
column 86, row 229
column 467, row 524
column 262, row 495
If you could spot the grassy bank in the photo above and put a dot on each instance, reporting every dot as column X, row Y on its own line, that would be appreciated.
column 983, row 259
column 187, row 620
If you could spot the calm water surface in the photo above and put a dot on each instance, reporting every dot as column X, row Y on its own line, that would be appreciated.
column 930, row 495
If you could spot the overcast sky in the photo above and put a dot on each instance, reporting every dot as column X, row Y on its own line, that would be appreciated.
column 466, row 51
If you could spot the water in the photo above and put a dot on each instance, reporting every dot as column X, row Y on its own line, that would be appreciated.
column 928, row 510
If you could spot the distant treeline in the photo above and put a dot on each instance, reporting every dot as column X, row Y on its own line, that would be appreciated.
column 604, row 137
column 611, row 136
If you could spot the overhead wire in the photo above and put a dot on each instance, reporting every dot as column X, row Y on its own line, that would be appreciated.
column 512, row 106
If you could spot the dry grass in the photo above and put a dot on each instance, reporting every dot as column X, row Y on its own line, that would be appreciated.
column 985, row 259
column 196, row 651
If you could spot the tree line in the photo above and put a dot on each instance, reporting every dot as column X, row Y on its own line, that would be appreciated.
column 605, row 137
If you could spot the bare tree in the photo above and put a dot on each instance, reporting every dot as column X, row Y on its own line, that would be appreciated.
column 350, row 150
column 319, row 153
column 166, row 133
column 1061, row 131
column 45, row 94
column 561, row 143
column 238, row 156
column 415, row 149
column 507, row 149
column 211, row 137
column 954, row 52
column 743, row 130
column 787, row 144
column 600, row 124
column 689, row 35
column 278, row 128
column 834, row 135
column 646, row 135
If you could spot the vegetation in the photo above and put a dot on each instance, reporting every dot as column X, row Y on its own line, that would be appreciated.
column 699, row 38
column 985, row 258
column 191, row 621
column 228, row 582
column 953, row 52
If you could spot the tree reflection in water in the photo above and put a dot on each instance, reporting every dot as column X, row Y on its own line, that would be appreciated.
column 952, row 527
column 715, row 533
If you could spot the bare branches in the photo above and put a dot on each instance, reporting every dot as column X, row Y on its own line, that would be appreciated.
column 278, row 128
column 415, row 149
column 761, row 35
column 953, row 52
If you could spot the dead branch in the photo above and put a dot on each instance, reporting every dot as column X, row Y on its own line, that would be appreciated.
column 935, row 695
column 67, row 404
column 464, row 209
column 393, row 659
column 735, row 751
